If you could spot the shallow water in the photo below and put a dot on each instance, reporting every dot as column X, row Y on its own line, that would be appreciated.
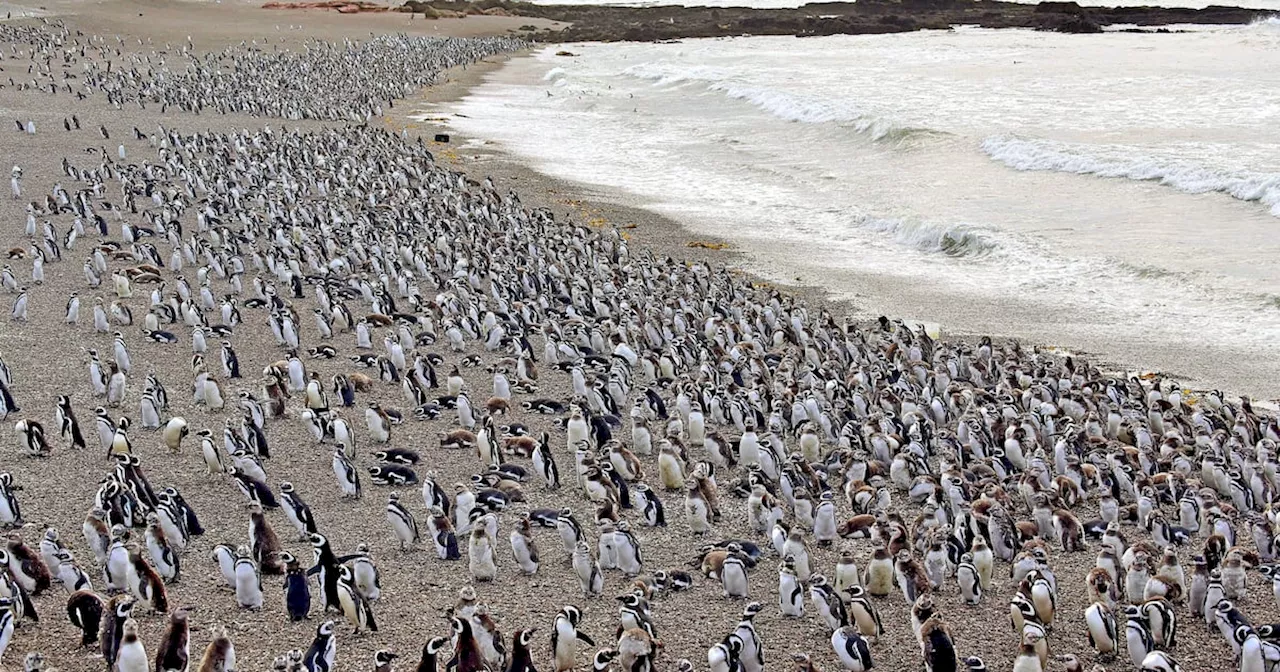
column 1116, row 192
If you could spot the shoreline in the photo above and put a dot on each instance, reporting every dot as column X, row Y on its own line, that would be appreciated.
column 667, row 236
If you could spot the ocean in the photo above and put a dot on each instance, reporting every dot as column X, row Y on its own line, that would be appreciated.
column 1117, row 193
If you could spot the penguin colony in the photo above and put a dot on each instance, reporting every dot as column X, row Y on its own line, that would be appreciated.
column 337, row 407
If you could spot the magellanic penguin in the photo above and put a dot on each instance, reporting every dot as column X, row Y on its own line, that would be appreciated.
column 429, row 662
column 324, row 649
column 85, row 611
column 522, row 655
column 175, row 644
column 355, row 607
column 466, row 652
column 851, row 649
column 132, row 656
column 523, row 546
column 565, row 636
column 297, row 590
column 220, row 655
column 403, row 524
column 938, row 647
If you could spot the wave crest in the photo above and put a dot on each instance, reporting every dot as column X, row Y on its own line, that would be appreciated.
column 1023, row 154
column 783, row 105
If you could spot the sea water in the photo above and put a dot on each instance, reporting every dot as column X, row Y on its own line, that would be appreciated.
column 1117, row 193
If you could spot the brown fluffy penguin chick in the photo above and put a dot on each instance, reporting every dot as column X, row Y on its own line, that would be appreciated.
column 172, row 656
column 265, row 543
column 220, row 655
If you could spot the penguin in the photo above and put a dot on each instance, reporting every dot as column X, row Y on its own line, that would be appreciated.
column 587, row 569
column 790, row 593
column 85, row 611
column 565, row 636
column 10, row 507
column 1028, row 659
column 430, row 654
column 365, row 573
column 7, row 623
column 851, row 649
column 263, row 542
column 173, row 433
column 26, row 567
column 970, row 581
column 33, row 438
column 220, row 654
column 879, row 578
column 248, row 583
column 862, row 614
column 827, row 602
column 68, row 427
column 733, row 573
column 347, row 475
column 938, row 647
column 466, row 653
column 651, row 506
column 354, row 606
column 297, row 511
column 480, row 556
column 382, row 661
column 132, row 656
column 523, row 546
column 521, row 654
column 297, row 591
column 116, row 614
column 1102, row 630
column 174, row 650
column 1137, row 637
column 324, row 648
column 402, row 522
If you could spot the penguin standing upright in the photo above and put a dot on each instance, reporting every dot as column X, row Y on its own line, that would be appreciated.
column 68, row 426
column 565, row 636
column 466, row 652
column 132, row 656
column 220, row 655
column 324, row 649
column 354, row 605
column 297, row 592
column 174, row 650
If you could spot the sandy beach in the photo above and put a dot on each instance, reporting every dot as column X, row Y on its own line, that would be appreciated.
column 49, row 358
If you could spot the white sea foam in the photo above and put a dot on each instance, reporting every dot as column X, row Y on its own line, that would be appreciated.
column 1030, row 154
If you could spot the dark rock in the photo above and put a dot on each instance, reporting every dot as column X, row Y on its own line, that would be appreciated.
column 662, row 23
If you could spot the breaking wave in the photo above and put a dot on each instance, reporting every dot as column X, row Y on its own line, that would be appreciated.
column 953, row 240
column 783, row 105
column 1022, row 154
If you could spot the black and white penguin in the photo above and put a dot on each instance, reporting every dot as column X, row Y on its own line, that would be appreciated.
column 852, row 650
column 521, row 655
column 544, row 463
column 117, row 612
column 565, row 636
column 10, row 507
column 403, row 524
column 68, row 426
column 297, row 511
column 429, row 662
column 324, row 649
column 353, row 604
column 651, row 506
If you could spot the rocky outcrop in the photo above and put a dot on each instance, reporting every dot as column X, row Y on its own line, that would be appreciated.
column 650, row 24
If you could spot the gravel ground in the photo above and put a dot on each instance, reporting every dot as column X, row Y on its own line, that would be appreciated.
column 48, row 358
